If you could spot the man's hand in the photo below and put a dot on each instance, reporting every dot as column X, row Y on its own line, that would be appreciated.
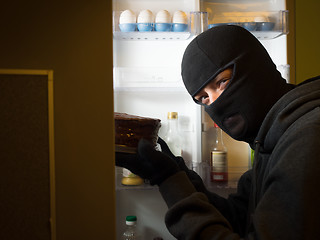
column 148, row 163
column 192, row 175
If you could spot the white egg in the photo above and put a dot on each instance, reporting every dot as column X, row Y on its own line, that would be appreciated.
column 127, row 16
column 145, row 16
column 163, row 16
column 180, row 17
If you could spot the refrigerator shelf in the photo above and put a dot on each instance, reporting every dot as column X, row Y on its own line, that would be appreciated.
column 153, row 36
column 219, row 188
column 121, row 187
column 153, row 79
column 168, row 89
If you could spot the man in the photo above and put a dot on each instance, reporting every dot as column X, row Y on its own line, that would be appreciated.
column 227, row 70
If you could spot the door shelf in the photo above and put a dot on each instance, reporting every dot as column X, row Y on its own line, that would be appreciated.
column 263, row 25
column 170, row 36
column 151, row 36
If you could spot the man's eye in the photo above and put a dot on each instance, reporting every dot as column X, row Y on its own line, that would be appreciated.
column 223, row 83
column 203, row 99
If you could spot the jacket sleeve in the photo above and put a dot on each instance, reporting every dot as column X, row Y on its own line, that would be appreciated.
column 191, row 215
column 288, row 197
column 235, row 208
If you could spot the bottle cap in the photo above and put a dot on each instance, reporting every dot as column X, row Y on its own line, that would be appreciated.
column 172, row 115
column 131, row 218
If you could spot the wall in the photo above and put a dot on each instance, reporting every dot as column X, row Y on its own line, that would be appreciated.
column 307, row 39
column 304, row 50
column 74, row 39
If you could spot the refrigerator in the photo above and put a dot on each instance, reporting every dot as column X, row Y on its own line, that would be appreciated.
column 147, row 82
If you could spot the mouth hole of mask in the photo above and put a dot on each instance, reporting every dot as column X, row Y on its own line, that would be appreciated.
column 235, row 124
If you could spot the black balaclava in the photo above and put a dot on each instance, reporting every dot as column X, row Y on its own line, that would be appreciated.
column 255, row 84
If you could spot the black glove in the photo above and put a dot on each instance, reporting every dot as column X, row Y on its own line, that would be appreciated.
column 166, row 150
column 148, row 163
column 192, row 175
column 194, row 178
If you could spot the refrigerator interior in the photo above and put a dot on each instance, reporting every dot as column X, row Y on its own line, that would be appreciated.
column 147, row 82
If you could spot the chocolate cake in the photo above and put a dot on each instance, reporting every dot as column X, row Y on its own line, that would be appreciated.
column 129, row 129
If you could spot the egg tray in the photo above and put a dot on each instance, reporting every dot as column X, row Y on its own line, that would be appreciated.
column 153, row 27
column 161, row 28
column 152, row 35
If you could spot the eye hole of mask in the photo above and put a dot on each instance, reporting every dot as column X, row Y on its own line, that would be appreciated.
column 215, row 87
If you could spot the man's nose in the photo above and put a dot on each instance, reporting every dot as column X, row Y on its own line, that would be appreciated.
column 212, row 98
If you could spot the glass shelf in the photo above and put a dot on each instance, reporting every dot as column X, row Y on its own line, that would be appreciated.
column 173, row 90
column 139, row 79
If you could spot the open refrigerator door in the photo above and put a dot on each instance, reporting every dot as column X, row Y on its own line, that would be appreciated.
column 147, row 82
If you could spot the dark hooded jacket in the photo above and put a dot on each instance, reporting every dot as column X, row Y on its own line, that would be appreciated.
column 279, row 197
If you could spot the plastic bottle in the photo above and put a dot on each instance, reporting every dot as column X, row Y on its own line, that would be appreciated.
column 172, row 137
column 131, row 232
column 219, row 158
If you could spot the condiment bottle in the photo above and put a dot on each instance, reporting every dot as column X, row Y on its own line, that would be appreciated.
column 219, row 159
column 172, row 137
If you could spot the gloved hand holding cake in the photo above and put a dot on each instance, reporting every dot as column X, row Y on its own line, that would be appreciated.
column 141, row 134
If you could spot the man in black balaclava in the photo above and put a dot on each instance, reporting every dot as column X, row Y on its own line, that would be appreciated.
column 241, row 108
column 228, row 70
